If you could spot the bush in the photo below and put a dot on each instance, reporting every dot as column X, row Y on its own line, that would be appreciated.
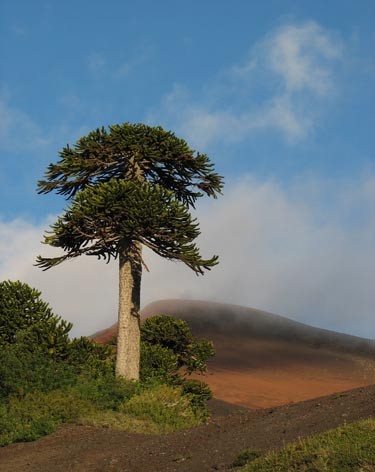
column 23, row 371
column 170, row 352
column 106, row 391
column 199, row 393
column 176, row 336
column 35, row 350
column 46, row 379
column 167, row 332
column 199, row 352
column 165, row 406
column 158, row 363
column 90, row 358
column 22, row 308
column 38, row 414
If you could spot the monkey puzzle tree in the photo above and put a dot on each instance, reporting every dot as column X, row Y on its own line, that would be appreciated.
column 129, row 186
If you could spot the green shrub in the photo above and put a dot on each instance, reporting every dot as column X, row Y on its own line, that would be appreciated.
column 90, row 358
column 175, row 335
column 168, row 332
column 199, row 393
column 23, row 371
column 38, row 414
column 22, row 308
column 106, row 391
column 158, row 363
column 199, row 352
column 165, row 406
column 46, row 379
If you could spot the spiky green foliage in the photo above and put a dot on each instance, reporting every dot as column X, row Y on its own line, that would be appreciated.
column 133, row 152
column 175, row 336
column 103, row 217
column 22, row 308
column 130, row 183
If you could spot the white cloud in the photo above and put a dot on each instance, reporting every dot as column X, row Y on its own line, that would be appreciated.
column 280, row 250
column 294, row 62
column 302, row 56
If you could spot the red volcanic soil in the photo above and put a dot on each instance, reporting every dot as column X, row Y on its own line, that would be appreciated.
column 265, row 360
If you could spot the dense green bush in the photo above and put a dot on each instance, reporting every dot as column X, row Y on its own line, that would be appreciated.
column 199, row 393
column 37, row 414
column 46, row 379
column 22, row 309
column 35, row 350
column 168, row 332
column 107, row 391
column 158, row 363
column 170, row 352
column 23, row 370
column 174, row 334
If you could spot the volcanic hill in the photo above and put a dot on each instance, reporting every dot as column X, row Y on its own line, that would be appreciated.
column 265, row 360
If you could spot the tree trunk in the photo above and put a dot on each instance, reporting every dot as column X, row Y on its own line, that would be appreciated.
column 128, row 338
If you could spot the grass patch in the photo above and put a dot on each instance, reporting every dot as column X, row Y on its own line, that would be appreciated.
column 348, row 448
column 245, row 457
column 165, row 406
column 38, row 414
column 162, row 409
column 159, row 409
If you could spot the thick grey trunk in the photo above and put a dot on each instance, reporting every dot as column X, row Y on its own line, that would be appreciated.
column 128, row 338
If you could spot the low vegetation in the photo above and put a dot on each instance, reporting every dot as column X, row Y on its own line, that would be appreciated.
column 348, row 448
column 47, row 379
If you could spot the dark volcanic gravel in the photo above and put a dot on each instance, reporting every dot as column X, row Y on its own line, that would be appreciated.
column 204, row 448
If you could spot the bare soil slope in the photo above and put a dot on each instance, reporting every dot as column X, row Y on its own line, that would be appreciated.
column 204, row 448
column 265, row 360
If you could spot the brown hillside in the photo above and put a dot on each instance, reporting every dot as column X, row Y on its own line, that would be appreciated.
column 266, row 360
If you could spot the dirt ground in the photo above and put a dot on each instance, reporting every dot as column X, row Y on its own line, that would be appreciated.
column 208, row 447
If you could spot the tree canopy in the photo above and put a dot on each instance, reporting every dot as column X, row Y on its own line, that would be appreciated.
column 133, row 152
column 131, row 184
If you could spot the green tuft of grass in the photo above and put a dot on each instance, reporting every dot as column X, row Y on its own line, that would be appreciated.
column 165, row 406
column 245, row 457
column 348, row 448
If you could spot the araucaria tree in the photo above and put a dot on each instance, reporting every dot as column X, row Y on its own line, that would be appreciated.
column 129, row 186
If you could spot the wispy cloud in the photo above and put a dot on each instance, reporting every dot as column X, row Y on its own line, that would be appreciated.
column 96, row 63
column 292, row 68
column 18, row 130
column 124, row 70
column 99, row 66
column 19, row 31
column 302, row 56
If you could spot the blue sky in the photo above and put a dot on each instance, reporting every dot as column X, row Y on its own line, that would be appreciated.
column 280, row 94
